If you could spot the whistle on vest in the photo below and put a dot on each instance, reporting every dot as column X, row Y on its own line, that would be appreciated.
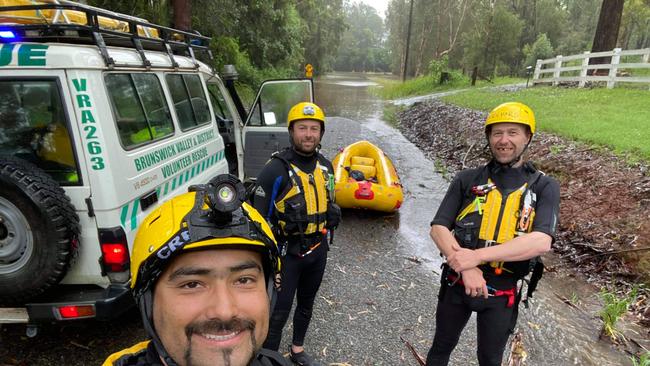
column 483, row 189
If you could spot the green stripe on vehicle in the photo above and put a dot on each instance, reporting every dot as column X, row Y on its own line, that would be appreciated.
column 133, row 206
column 125, row 211
column 134, row 214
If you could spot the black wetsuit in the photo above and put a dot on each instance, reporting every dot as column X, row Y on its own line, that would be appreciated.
column 301, row 276
column 149, row 357
column 494, row 318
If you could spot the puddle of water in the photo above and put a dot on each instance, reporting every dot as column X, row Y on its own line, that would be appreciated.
column 553, row 332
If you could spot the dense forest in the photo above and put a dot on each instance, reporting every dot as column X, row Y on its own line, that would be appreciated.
column 503, row 36
column 274, row 38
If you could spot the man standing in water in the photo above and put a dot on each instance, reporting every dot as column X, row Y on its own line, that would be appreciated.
column 295, row 194
column 492, row 226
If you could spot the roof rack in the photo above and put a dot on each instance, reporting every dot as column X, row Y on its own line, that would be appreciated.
column 69, row 22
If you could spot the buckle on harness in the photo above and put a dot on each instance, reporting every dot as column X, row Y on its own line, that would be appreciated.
column 510, row 293
column 453, row 280
column 489, row 243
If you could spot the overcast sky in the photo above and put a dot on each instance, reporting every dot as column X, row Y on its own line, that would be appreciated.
column 380, row 5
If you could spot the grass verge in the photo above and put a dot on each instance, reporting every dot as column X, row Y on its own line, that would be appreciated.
column 613, row 310
column 642, row 360
column 616, row 118
column 390, row 113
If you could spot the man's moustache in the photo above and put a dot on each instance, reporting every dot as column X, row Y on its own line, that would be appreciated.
column 218, row 325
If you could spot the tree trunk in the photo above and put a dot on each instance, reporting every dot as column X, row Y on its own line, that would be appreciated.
column 427, row 27
column 486, row 51
column 453, row 34
column 438, row 39
column 182, row 14
column 408, row 42
column 606, row 35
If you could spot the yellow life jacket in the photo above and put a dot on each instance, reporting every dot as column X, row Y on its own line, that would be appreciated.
column 501, row 219
column 302, row 209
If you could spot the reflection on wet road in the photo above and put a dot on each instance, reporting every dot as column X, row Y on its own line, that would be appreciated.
column 373, row 283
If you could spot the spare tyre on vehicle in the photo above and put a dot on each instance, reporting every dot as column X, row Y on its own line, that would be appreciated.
column 38, row 231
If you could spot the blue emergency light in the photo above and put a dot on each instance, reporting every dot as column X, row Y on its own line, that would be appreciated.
column 6, row 34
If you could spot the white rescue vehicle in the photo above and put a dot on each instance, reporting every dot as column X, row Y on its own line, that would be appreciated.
column 103, row 116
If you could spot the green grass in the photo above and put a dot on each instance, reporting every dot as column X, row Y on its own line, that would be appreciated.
column 390, row 113
column 615, row 118
column 642, row 360
column 613, row 310
column 392, row 89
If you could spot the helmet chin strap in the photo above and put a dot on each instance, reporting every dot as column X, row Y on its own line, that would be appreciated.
column 145, row 304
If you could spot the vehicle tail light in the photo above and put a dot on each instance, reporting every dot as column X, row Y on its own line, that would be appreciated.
column 115, row 250
column 76, row 311
column 115, row 256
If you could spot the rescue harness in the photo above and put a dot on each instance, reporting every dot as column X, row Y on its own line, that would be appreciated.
column 494, row 217
column 301, row 210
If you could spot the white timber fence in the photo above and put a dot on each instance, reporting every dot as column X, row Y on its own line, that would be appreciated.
column 622, row 68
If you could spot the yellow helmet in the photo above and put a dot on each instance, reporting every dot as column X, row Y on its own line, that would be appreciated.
column 513, row 112
column 208, row 216
column 306, row 110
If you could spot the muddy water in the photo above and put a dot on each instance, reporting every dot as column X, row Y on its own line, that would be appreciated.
column 553, row 332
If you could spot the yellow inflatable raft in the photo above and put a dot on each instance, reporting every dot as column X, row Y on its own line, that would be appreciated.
column 365, row 178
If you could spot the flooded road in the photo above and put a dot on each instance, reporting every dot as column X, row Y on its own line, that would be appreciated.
column 553, row 332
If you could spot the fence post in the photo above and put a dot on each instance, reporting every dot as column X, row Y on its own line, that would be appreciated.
column 646, row 57
column 556, row 73
column 583, row 71
column 538, row 67
column 616, row 58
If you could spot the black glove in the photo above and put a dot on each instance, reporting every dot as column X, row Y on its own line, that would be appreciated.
column 333, row 216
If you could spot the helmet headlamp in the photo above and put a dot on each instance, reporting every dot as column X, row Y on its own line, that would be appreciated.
column 228, row 193
column 218, row 217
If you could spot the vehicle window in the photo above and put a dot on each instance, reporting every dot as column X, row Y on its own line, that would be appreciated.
column 33, row 127
column 275, row 100
column 218, row 102
column 255, row 118
column 189, row 100
column 140, row 108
